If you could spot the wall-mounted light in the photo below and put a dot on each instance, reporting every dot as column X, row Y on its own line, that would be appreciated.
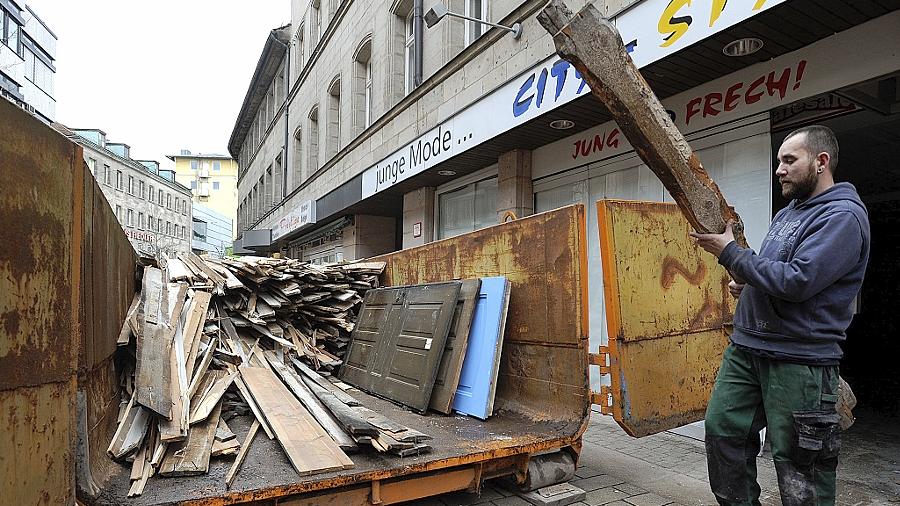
column 562, row 124
column 446, row 173
column 438, row 11
column 743, row 47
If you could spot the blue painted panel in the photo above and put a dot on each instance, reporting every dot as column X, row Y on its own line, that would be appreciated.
column 478, row 381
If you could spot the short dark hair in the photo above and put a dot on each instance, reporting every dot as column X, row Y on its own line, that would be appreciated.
column 820, row 139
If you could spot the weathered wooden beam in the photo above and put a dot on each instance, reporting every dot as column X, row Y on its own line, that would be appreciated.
column 592, row 44
column 245, row 447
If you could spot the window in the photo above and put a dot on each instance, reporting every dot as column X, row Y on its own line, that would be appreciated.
column 119, row 213
column 168, row 201
column 131, row 185
column 313, row 140
column 141, row 222
column 107, row 174
column 9, row 32
column 130, row 216
column 217, row 165
column 277, row 178
column 333, row 127
column 119, row 181
column 183, row 232
column 177, row 205
column 159, row 227
column 469, row 208
column 184, row 207
column 409, row 55
column 297, row 174
column 475, row 9
column 199, row 228
column 92, row 164
column 361, row 99
column 194, row 184
column 151, row 224
column 193, row 164
column 150, row 194
column 315, row 28
column 168, row 228
column 298, row 52
column 160, row 201
column 215, row 185
column 141, row 189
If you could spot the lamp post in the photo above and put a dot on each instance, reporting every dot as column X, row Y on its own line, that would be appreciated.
column 438, row 11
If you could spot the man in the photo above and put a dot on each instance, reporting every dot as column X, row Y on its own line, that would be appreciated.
column 781, row 369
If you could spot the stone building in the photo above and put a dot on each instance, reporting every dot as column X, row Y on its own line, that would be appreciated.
column 153, row 209
column 364, row 131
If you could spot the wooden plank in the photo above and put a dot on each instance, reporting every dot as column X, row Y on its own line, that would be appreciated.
column 190, row 457
column 324, row 383
column 347, row 416
column 245, row 394
column 312, row 403
column 223, row 432
column 223, row 448
column 451, row 364
column 131, row 431
column 245, row 447
column 204, row 365
column 153, row 372
column 210, row 399
column 175, row 429
column 194, row 328
column 594, row 46
column 305, row 442
column 125, row 333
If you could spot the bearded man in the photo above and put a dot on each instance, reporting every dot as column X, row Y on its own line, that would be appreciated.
column 780, row 370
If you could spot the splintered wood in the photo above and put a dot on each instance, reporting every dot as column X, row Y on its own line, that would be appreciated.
column 202, row 343
column 592, row 44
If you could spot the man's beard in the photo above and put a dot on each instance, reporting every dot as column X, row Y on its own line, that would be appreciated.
column 801, row 189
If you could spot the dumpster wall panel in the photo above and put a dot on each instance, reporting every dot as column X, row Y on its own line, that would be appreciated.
column 544, row 359
column 54, row 321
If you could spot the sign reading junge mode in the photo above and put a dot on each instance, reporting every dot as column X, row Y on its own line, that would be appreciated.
column 650, row 30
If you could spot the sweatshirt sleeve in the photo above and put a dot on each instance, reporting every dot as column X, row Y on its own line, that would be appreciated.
column 827, row 251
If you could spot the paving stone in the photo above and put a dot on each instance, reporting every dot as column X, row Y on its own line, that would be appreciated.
column 604, row 496
column 630, row 489
column 561, row 494
column 587, row 472
column 619, row 503
column 595, row 482
column 467, row 498
column 511, row 501
column 648, row 499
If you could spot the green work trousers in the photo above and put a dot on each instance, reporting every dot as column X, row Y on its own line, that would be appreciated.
column 797, row 404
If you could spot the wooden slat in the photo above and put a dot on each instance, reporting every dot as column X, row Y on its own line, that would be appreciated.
column 245, row 394
column 194, row 328
column 131, row 431
column 312, row 403
column 153, row 371
column 189, row 457
column 125, row 333
column 175, row 428
column 305, row 442
column 210, row 399
column 324, row 383
column 245, row 447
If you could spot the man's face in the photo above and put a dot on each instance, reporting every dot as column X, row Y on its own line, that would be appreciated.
column 796, row 168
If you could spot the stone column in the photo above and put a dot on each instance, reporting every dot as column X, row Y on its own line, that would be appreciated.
column 515, row 194
column 418, row 217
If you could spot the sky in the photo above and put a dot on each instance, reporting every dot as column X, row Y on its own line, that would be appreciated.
column 160, row 76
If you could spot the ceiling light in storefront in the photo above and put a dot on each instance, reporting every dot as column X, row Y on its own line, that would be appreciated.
column 743, row 47
column 446, row 173
column 562, row 124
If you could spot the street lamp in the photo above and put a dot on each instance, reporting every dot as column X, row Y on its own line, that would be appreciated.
column 437, row 12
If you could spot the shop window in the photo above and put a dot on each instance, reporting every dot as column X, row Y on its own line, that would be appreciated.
column 469, row 208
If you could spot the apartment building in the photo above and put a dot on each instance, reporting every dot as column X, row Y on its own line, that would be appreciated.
column 152, row 207
column 27, row 59
column 212, row 179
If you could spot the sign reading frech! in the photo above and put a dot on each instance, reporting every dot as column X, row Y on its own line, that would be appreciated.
column 650, row 31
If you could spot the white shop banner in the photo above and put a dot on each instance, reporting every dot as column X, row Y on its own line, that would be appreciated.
column 303, row 214
column 650, row 30
column 823, row 66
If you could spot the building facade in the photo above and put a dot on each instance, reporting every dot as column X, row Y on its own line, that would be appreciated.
column 212, row 179
column 152, row 207
column 27, row 59
column 363, row 131
column 211, row 232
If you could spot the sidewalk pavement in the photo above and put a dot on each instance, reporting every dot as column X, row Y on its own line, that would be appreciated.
column 616, row 469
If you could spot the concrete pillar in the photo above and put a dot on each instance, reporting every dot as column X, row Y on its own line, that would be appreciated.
column 514, row 190
column 369, row 236
column 418, row 217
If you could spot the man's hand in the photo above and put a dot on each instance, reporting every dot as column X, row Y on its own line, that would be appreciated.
column 715, row 243
column 735, row 288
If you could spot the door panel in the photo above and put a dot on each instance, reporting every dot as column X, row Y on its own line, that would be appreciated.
column 455, row 349
column 667, row 312
column 478, row 381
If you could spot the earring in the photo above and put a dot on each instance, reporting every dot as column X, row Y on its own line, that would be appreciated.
column 819, row 170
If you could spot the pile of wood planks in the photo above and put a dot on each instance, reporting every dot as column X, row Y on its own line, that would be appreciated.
column 210, row 340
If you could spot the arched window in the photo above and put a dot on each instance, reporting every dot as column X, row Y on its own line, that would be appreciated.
column 297, row 175
column 312, row 134
column 362, row 86
column 333, row 127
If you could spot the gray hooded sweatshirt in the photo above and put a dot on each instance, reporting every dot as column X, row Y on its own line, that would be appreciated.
column 800, row 287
